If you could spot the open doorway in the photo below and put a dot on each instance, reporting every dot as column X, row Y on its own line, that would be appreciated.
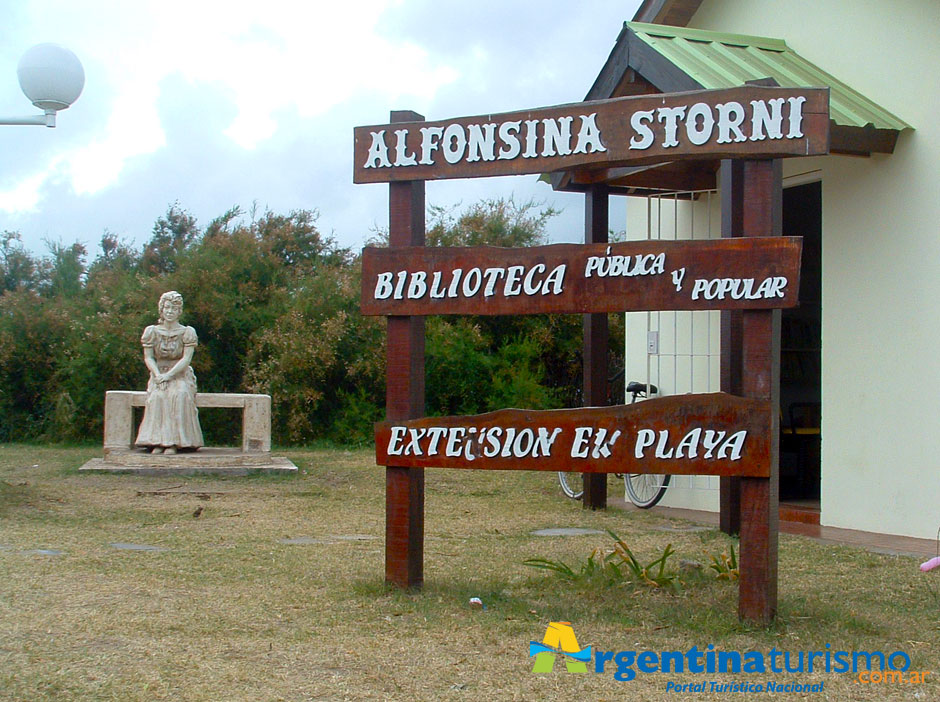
column 801, row 354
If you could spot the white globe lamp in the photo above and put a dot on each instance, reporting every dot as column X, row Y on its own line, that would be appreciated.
column 51, row 77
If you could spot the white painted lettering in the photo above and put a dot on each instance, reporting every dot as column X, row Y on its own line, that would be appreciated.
column 507, row 444
column 430, row 138
column 455, row 282
column 472, row 282
column 436, row 292
column 435, row 434
column 492, row 438
column 455, row 437
column 593, row 263
column 639, row 120
column 763, row 292
column 531, row 139
column 383, row 286
column 470, row 446
column 454, row 143
column 733, row 445
column 508, row 134
column 644, row 439
column 589, row 136
column 527, row 283
column 400, row 285
column 402, row 157
column 579, row 446
column 557, row 137
column 670, row 116
column 418, row 287
column 414, row 438
column 378, row 152
column 699, row 134
column 762, row 119
column 710, row 441
column 543, row 446
column 659, row 265
column 482, row 142
column 795, row 119
column 395, row 441
column 523, row 443
column 492, row 276
column 512, row 287
column 661, row 451
column 555, row 281
column 730, row 117
column 602, row 444
column 689, row 444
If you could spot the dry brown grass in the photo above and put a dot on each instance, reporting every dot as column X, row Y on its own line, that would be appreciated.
column 228, row 612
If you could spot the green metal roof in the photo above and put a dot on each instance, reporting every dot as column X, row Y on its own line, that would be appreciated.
column 719, row 60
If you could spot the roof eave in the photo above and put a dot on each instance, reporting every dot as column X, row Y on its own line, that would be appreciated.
column 676, row 13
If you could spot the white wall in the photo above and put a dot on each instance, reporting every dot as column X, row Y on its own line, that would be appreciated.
column 689, row 342
column 881, row 258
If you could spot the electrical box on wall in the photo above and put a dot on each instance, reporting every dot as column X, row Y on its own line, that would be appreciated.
column 652, row 342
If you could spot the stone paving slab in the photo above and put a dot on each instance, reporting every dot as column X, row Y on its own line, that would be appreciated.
column 137, row 547
column 328, row 539
column 888, row 544
column 566, row 531
column 205, row 462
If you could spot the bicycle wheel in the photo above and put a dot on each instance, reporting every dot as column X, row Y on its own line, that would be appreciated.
column 572, row 484
column 645, row 489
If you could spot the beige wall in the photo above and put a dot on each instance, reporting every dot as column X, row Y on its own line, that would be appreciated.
column 881, row 257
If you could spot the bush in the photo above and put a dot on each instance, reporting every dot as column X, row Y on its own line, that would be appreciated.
column 275, row 304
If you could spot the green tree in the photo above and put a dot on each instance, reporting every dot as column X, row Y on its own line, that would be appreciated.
column 532, row 362
column 276, row 306
column 172, row 234
column 18, row 269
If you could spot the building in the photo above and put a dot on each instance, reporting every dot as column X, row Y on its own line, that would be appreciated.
column 860, row 367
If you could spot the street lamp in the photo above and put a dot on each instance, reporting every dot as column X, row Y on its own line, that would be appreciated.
column 52, row 78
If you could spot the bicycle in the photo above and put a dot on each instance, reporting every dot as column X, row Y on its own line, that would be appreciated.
column 644, row 490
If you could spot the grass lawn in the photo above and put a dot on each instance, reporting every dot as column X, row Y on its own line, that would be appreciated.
column 229, row 611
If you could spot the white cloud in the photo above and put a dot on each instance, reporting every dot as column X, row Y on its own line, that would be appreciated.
column 219, row 102
column 267, row 56
column 24, row 196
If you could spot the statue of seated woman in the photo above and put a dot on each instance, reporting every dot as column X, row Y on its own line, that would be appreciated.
column 171, row 420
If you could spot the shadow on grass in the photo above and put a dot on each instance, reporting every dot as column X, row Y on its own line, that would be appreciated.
column 18, row 494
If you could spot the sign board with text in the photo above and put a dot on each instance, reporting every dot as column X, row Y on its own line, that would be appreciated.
column 751, row 121
column 704, row 434
column 739, row 273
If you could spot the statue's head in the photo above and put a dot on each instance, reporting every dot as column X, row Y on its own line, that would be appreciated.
column 170, row 299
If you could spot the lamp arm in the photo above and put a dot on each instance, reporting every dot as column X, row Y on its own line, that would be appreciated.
column 45, row 120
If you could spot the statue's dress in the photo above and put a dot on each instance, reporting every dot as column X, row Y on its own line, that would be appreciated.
column 170, row 415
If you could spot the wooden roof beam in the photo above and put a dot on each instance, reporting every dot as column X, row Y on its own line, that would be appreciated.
column 677, row 13
column 861, row 141
column 671, row 177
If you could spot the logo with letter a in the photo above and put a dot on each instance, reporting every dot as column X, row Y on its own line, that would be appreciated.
column 559, row 639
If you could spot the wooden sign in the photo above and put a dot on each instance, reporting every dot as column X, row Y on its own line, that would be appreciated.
column 739, row 273
column 708, row 434
column 751, row 121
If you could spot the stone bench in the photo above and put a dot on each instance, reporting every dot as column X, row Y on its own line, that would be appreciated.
column 119, row 430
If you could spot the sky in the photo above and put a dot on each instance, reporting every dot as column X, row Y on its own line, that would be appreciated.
column 211, row 105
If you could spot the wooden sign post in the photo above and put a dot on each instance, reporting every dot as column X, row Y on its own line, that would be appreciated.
column 755, row 275
column 596, row 339
column 760, row 379
column 404, row 395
